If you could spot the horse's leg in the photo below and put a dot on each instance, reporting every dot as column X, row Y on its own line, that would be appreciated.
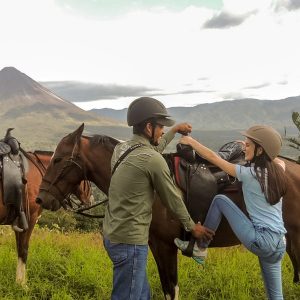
column 165, row 255
column 164, row 228
column 22, row 240
column 293, row 250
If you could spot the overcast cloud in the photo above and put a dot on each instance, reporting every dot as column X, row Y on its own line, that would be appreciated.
column 184, row 52
column 80, row 92
column 225, row 20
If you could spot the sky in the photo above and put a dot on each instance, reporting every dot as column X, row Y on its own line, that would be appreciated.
column 182, row 52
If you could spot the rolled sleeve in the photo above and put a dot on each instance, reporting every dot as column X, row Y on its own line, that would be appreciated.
column 165, row 140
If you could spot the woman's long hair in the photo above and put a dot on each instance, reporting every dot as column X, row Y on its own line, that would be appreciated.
column 270, row 176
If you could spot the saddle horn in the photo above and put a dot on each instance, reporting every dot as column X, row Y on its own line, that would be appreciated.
column 8, row 134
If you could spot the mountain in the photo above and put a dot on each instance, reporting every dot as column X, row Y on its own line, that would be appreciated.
column 227, row 115
column 41, row 117
column 37, row 113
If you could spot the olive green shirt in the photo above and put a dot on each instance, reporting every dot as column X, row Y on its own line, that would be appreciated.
column 131, row 194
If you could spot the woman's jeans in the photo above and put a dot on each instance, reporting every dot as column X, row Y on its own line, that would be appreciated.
column 130, row 280
column 268, row 245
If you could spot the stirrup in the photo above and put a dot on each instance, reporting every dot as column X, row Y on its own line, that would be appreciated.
column 15, row 226
column 23, row 221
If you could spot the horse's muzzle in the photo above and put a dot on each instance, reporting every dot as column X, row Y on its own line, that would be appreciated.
column 47, row 201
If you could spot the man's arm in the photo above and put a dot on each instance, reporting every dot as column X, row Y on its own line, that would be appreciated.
column 182, row 128
column 171, row 198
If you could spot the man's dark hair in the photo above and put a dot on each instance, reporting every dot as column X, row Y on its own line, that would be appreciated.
column 139, row 128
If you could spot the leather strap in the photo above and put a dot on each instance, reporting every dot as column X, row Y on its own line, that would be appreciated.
column 124, row 155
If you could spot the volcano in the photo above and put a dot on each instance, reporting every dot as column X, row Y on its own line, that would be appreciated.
column 39, row 114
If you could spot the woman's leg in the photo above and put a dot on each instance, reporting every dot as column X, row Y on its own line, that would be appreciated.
column 238, row 221
column 271, row 273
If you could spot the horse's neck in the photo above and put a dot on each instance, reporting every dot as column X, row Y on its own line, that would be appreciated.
column 98, row 170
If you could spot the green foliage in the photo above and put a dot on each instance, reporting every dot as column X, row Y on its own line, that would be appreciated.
column 296, row 119
column 74, row 266
column 60, row 220
column 65, row 221
column 295, row 142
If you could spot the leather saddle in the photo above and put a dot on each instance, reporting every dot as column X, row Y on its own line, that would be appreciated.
column 200, row 181
column 13, row 166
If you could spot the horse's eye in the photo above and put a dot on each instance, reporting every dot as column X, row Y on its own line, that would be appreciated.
column 57, row 160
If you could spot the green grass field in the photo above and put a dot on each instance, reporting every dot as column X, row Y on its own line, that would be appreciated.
column 75, row 266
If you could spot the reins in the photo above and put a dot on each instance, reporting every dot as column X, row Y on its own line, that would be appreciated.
column 80, row 211
column 40, row 166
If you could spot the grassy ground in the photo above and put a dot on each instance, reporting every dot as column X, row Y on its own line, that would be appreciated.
column 75, row 266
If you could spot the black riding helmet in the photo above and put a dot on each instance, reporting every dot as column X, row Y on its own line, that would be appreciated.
column 146, row 108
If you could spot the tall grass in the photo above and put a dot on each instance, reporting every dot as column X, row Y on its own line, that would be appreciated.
column 75, row 266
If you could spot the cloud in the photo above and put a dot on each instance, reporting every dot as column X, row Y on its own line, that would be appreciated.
column 258, row 86
column 287, row 4
column 81, row 92
column 150, row 52
column 225, row 20
column 75, row 91
column 294, row 4
column 283, row 82
column 233, row 96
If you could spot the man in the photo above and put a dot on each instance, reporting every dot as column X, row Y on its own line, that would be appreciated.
column 139, row 172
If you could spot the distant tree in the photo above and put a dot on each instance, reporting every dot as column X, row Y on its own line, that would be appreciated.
column 295, row 142
column 296, row 119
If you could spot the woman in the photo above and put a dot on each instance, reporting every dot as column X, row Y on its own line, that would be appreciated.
column 263, row 184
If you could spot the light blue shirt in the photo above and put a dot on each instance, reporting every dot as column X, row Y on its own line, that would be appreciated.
column 261, row 213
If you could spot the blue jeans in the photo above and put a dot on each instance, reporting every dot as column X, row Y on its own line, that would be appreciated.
column 130, row 280
column 268, row 245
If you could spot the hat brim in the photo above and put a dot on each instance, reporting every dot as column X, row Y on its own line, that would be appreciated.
column 165, row 122
column 244, row 133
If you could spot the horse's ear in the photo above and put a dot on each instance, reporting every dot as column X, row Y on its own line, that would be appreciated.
column 77, row 133
column 80, row 129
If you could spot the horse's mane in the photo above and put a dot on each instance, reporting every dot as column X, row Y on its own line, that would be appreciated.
column 105, row 140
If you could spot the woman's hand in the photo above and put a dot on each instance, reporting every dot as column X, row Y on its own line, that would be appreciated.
column 186, row 140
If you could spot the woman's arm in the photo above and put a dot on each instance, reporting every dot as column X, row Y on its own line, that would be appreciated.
column 209, row 155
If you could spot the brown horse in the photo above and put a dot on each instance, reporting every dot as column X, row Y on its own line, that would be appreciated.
column 38, row 161
column 78, row 157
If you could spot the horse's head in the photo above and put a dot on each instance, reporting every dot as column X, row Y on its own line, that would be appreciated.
column 64, row 173
column 76, row 158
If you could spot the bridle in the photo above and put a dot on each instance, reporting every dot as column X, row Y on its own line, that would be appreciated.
column 64, row 198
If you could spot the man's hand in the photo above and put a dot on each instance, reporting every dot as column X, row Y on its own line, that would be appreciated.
column 200, row 231
column 182, row 128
